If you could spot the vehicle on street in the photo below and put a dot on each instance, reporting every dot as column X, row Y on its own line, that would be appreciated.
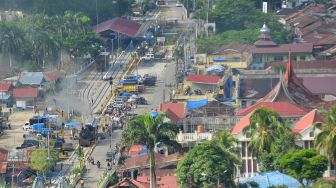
column 178, row 4
column 27, row 126
column 148, row 57
column 118, row 104
column 68, row 147
column 110, row 155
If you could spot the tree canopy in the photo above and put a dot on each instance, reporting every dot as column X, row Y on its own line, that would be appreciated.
column 304, row 164
column 40, row 38
column 150, row 131
column 107, row 9
column 204, row 165
column 40, row 161
column 238, row 20
column 325, row 140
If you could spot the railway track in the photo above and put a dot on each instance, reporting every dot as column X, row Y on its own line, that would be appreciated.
column 116, row 69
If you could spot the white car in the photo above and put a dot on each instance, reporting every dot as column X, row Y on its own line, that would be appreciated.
column 179, row 4
column 27, row 126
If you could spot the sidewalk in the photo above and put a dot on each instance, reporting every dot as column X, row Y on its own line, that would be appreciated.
column 93, row 173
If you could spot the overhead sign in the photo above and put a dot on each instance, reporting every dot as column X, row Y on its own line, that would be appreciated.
column 161, row 39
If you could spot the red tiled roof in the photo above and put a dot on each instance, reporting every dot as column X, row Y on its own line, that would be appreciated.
column 245, row 121
column 307, row 121
column 284, row 49
column 166, row 181
column 3, row 155
column 25, row 92
column 128, row 183
column 208, row 79
column 265, row 43
column 121, row 25
column 4, row 86
column 3, row 167
column 175, row 111
column 285, row 109
column 52, row 75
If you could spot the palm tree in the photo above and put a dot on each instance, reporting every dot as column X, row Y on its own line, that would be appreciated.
column 325, row 141
column 265, row 126
column 149, row 130
column 11, row 39
column 229, row 146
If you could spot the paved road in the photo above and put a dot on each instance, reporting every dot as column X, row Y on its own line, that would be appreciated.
column 165, row 72
column 93, row 174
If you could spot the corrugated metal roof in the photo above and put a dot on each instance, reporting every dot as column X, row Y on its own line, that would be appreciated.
column 207, row 79
column 31, row 78
column 25, row 92
column 283, row 49
column 121, row 25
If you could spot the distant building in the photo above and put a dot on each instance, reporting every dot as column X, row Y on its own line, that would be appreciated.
column 234, row 56
column 265, row 50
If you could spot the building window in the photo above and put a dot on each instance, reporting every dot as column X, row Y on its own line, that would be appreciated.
column 244, row 149
column 243, row 167
column 278, row 58
column 303, row 58
column 311, row 134
column 249, row 165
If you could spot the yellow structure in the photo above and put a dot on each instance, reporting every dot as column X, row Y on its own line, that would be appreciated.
column 230, row 58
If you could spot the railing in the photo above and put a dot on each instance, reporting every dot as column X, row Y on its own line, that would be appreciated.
column 189, row 137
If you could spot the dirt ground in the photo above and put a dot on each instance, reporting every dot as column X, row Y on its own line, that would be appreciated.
column 14, row 137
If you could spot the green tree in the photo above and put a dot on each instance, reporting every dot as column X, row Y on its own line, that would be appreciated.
column 324, row 183
column 283, row 143
column 205, row 165
column 80, row 155
column 325, row 140
column 41, row 162
column 233, row 14
column 150, row 130
column 304, row 164
column 265, row 126
column 83, row 44
column 11, row 39
column 228, row 144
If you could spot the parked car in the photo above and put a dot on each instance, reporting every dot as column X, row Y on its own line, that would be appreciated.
column 68, row 147
column 110, row 155
column 27, row 126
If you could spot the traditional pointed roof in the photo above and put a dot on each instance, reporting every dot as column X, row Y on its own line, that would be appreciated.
column 265, row 39
column 290, row 88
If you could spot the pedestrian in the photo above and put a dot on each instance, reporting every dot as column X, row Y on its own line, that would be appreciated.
column 92, row 101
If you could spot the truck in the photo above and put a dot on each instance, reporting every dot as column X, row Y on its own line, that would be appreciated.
column 131, row 88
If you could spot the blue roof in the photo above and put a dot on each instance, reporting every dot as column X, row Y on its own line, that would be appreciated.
column 31, row 78
column 274, row 178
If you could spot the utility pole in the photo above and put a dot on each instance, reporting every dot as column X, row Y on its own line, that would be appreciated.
column 97, row 11
column 185, row 54
column 207, row 14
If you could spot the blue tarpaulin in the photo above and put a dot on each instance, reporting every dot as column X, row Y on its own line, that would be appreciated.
column 38, row 127
column 72, row 124
column 228, row 84
column 153, row 113
column 275, row 179
column 218, row 59
column 126, row 94
column 193, row 105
